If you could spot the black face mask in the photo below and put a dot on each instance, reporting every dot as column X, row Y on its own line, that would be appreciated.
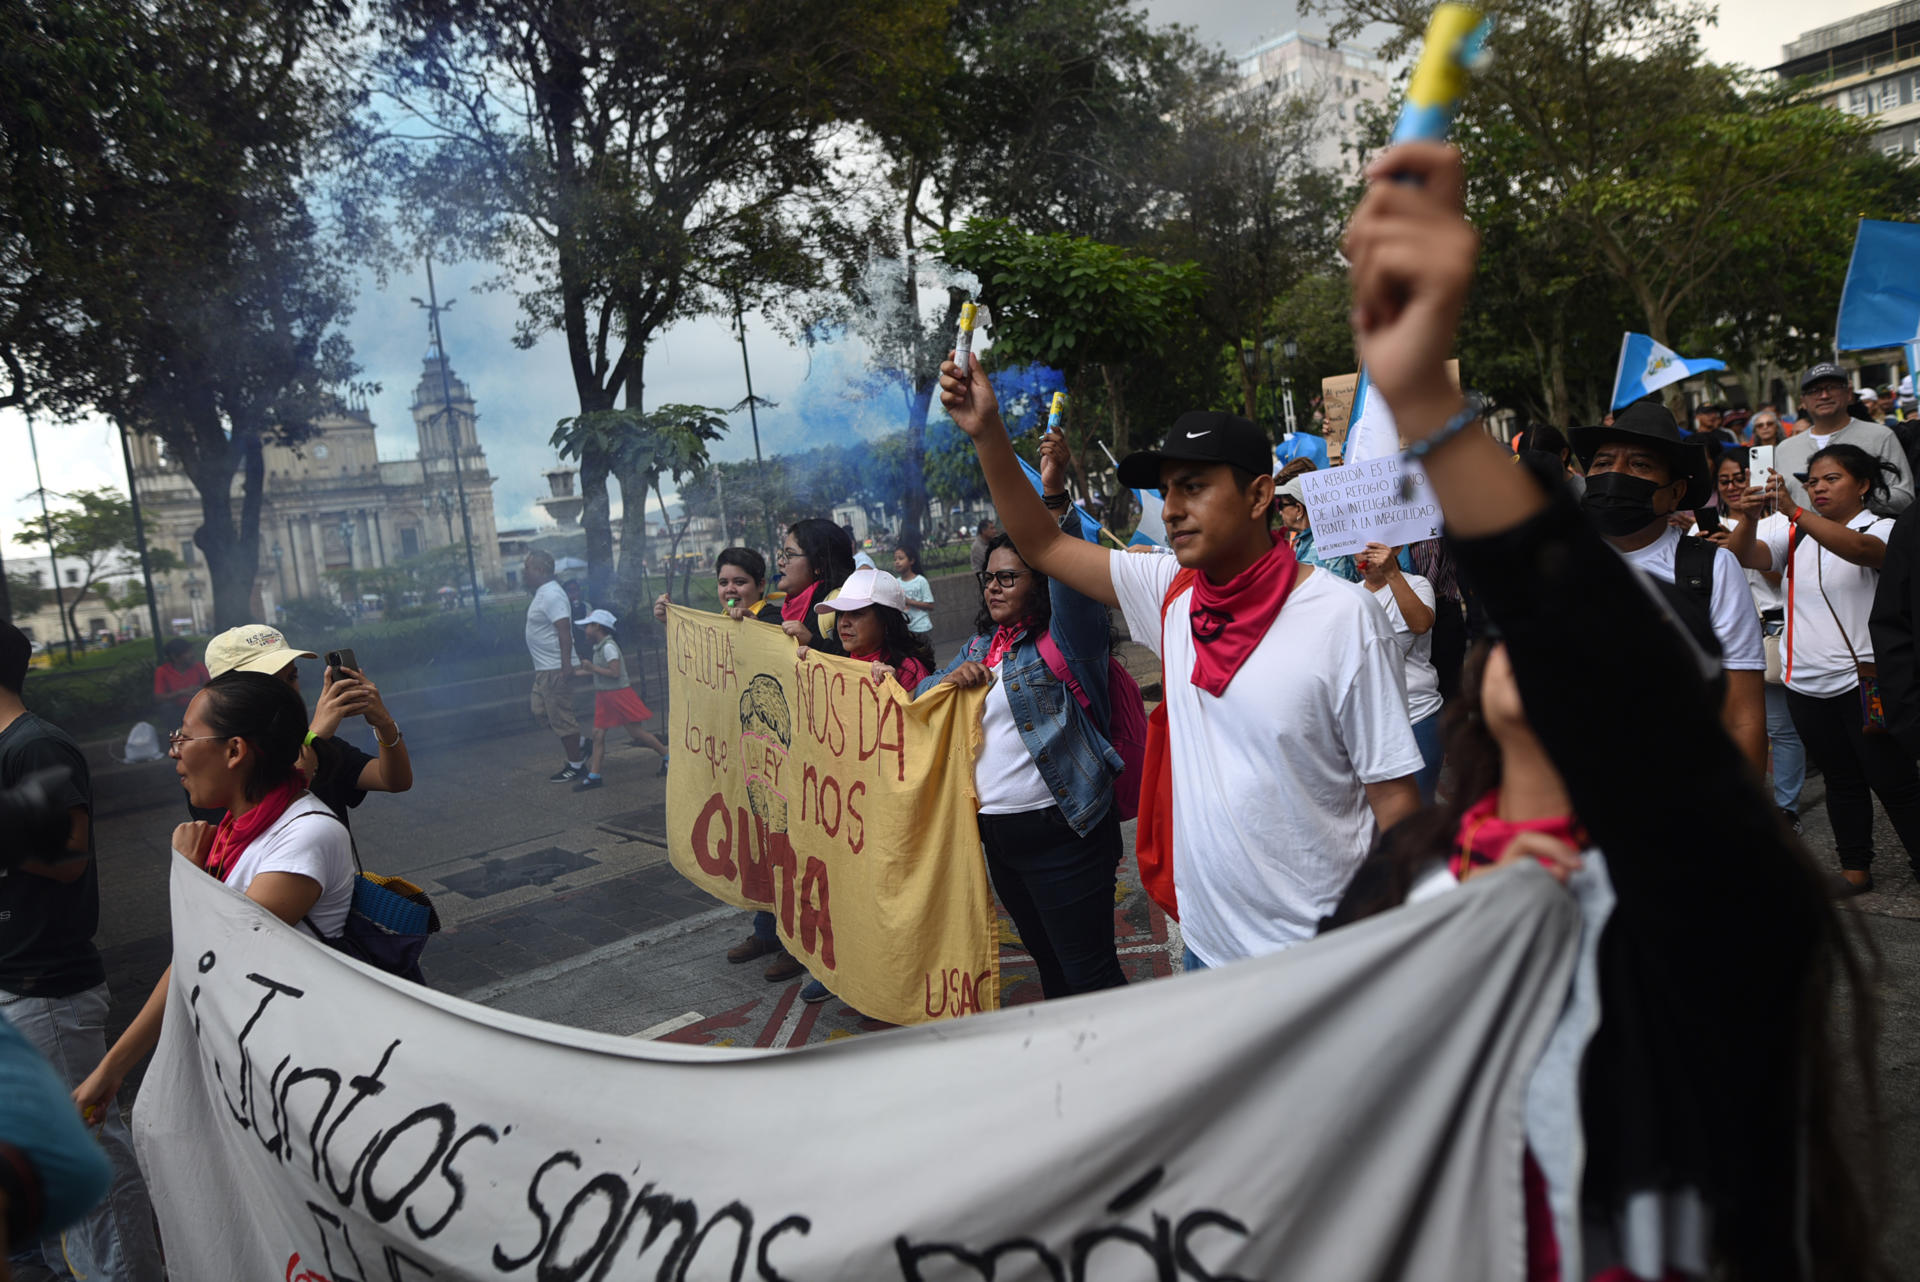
column 1619, row 503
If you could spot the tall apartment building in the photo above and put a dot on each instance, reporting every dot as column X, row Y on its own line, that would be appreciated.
column 1866, row 66
column 1339, row 77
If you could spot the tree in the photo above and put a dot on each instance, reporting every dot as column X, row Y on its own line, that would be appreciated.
column 1089, row 309
column 631, row 163
column 1606, row 154
column 96, row 532
column 26, row 594
column 159, row 239
column 638, row 449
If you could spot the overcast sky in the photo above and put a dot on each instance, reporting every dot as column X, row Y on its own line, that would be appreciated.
column 520, row 395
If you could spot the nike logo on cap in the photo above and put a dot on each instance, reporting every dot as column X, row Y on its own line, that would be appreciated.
column 1196, row 435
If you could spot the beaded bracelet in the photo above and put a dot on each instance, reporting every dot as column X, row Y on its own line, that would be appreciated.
column 1465, row 418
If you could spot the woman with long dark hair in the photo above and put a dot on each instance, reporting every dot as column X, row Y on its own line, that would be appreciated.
column 814, row 560
column 870, row 617
column 1710, row 1103
column 237, row 750
column 1831, row 554
column 1045, row 772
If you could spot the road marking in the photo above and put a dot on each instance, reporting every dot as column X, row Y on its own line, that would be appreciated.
column 487, row 993
column 666, row 1026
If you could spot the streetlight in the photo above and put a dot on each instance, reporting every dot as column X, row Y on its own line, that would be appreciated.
column 1290, row 350
column 280, row 576
column 193, row 598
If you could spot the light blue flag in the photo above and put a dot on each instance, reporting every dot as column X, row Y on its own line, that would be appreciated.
column 1089, row 528
column 1152, row 530
column 1647, row 366
column 1880, row 303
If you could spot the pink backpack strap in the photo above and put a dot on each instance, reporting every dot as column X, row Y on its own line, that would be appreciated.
column 1057, row 664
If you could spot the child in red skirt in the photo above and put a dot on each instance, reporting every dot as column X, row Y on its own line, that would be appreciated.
column 614, row 702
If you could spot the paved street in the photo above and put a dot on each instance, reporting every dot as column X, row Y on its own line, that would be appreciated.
column 562, row 906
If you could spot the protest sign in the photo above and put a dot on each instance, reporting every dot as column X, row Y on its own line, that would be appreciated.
column 1337, row 397
column 1347, row 1109
column 1362, row 503
column 843, row 807
column 1336, row 402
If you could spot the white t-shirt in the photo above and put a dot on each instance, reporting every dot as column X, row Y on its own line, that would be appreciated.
column 918, row 589
column 1005, row 777
column 1817, row 660
column 1734, row 620
column 1766, row 596
column 1270, row 817
column 1416, row 650
column 317, row 848
column 548, row 607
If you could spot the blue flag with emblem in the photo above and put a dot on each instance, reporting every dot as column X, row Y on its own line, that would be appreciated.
column 1880, row 303
column 1646, row 366
column 1089, row 528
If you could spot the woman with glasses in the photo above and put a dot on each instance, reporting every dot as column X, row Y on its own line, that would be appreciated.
column 1764, row 428
column 1045, row 773
column 814, row 560
column 237, row 750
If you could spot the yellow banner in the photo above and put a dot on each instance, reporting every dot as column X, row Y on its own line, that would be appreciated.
column 844, row 808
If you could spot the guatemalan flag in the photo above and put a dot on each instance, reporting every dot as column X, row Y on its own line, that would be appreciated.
column 1647, row 366
column 1089, row 528
column 1880, row 303
column 1152, row 530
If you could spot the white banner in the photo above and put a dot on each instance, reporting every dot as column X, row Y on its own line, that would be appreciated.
column 1360, row 503
column 1350, row 1109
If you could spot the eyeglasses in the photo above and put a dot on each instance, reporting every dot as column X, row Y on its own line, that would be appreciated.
column 1005, row 578
column 179, row 737
column 783, row 556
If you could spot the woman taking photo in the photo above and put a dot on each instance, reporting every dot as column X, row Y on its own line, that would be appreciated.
column 1830, row 554
column 1409, row 603
column 1045, row 771
column 279, row 846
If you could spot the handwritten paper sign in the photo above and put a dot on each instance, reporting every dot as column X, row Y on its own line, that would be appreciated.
column 1362, row 503
column 1336, row 401
column 844, row 808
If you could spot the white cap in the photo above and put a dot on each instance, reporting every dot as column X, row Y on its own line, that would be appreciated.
column 1867, row 393
column 600, row 617
column 251, row 647
column 865, row 587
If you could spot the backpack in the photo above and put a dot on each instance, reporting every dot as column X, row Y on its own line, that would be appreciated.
column 1153, row 839
column 388, row 921
column 1126, row 727
column 1693, row 569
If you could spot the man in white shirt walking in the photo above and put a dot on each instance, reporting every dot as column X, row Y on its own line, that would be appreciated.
column 1827, row 393
column 1287, row 739
column 550, row 645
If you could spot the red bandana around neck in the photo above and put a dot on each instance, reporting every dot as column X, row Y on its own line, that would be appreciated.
column 232, row 838
column 1484, row 836
column 1230, row 618
column 796, row 607
column 1004, row 639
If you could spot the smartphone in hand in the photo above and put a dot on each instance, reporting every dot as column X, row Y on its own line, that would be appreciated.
column 1759, row 463
column 1707, row 519
column 338, row 659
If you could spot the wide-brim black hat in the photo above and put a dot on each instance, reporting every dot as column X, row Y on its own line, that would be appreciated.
column 1201, row 436
column 1649, row 423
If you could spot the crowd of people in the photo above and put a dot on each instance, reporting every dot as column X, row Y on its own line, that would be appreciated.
column 1336, row 737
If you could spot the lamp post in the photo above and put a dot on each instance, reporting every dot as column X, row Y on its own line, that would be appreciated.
column 1290, row 351
column 193, row 600
column 280, row 577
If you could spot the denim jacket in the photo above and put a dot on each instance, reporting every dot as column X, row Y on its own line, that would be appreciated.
column 1066, row 744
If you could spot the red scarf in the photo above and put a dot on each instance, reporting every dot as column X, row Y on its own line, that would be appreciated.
column 794, row 608
column 1229, row 619
column 232, row 838
column 1004, row 639
column 1484, row 836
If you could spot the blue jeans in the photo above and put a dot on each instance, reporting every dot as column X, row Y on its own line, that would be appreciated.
column 1789, row 754
column 1058, row 888
column 115, row 1242
column 763, row 928
column 1426, row 733
column 1191, row 962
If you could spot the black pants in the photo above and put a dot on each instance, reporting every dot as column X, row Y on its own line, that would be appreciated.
column 1857, row 768
column 1058, row 888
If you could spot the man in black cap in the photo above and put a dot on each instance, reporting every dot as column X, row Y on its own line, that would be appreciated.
column 1640, row 472
column 1284, row 734
column 1708, row 429
column 1828, row 392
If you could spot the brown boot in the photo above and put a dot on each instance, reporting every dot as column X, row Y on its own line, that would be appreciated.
column 751, row 947
column 786, row 966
